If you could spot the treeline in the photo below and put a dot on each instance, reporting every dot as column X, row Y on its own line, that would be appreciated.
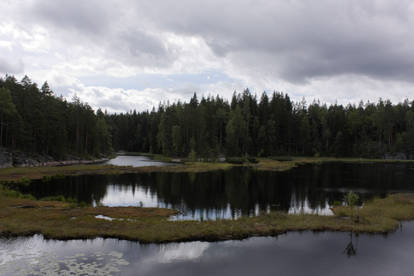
column 269, row 126
column 34, row 120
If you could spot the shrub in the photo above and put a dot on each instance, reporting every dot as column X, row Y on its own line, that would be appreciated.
column 351, row 200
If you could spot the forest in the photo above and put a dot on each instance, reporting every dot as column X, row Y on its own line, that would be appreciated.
column 34, row 119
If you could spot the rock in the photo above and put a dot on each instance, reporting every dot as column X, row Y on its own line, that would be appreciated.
column 13, row 158
column 6, row 160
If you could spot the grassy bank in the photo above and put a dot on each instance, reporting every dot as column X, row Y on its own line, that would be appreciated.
column 59, row 220
column 287, row 163
column 264, row 164
column 30, row 173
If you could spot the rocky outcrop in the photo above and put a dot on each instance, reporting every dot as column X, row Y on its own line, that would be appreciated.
column 11, row 158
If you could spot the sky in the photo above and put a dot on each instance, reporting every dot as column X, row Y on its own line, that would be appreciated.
column 125, row 55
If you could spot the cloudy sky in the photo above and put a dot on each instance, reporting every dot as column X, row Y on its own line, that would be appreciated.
column 123, row 55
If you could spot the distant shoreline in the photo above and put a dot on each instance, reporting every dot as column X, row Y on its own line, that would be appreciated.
column 17, row 159
column 18, row 174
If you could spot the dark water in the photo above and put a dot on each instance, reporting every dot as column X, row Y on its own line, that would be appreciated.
column 135, row 161
column 304, row 253
column 236, row 192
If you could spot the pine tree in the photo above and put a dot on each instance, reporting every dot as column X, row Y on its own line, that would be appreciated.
column 8, row 113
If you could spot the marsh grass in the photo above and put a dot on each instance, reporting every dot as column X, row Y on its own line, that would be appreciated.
column 64, row 220
column 24, row 175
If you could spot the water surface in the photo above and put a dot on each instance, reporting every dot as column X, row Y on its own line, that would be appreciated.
column 135, row 161
column 295, row 253
column 236, row 192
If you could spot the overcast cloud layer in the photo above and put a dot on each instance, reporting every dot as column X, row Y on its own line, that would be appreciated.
column 123, row 55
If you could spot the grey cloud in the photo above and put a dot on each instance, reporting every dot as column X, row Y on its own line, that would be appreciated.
column 301, row 39
column 8, row 67
column 261, row 42
column 84, row 16
column 139, row 42
column 139, row 47
column 107, row 27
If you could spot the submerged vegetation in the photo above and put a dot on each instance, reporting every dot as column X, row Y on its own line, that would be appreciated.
column 22, row 215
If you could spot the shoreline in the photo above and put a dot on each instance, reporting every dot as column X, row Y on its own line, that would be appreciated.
column 64, row 163
column 22, row 215
column 17, row 174
column 59, row 220
column 17, row 159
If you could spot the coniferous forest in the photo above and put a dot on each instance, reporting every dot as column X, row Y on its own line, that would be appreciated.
column 33, row 119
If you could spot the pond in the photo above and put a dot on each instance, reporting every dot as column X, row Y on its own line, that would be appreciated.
column 135, row 161
column 230, row 194
column 295, row 253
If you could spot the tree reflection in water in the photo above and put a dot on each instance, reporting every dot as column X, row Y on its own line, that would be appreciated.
column 231, row 193
column 350, row 249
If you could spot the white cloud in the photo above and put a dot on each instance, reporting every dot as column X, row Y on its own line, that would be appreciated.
column 341, row 51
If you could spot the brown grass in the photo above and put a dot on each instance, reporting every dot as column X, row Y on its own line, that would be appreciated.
column 264, row 164
column 61, row 221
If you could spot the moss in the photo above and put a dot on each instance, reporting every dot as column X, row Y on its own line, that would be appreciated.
column 61, row 221
column 59, row 198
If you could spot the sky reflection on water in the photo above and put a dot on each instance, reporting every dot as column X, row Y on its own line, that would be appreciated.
column 294, row 253
column 232, row 193
column 135, row 161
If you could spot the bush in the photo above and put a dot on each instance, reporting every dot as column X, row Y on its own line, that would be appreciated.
column 351, row 199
